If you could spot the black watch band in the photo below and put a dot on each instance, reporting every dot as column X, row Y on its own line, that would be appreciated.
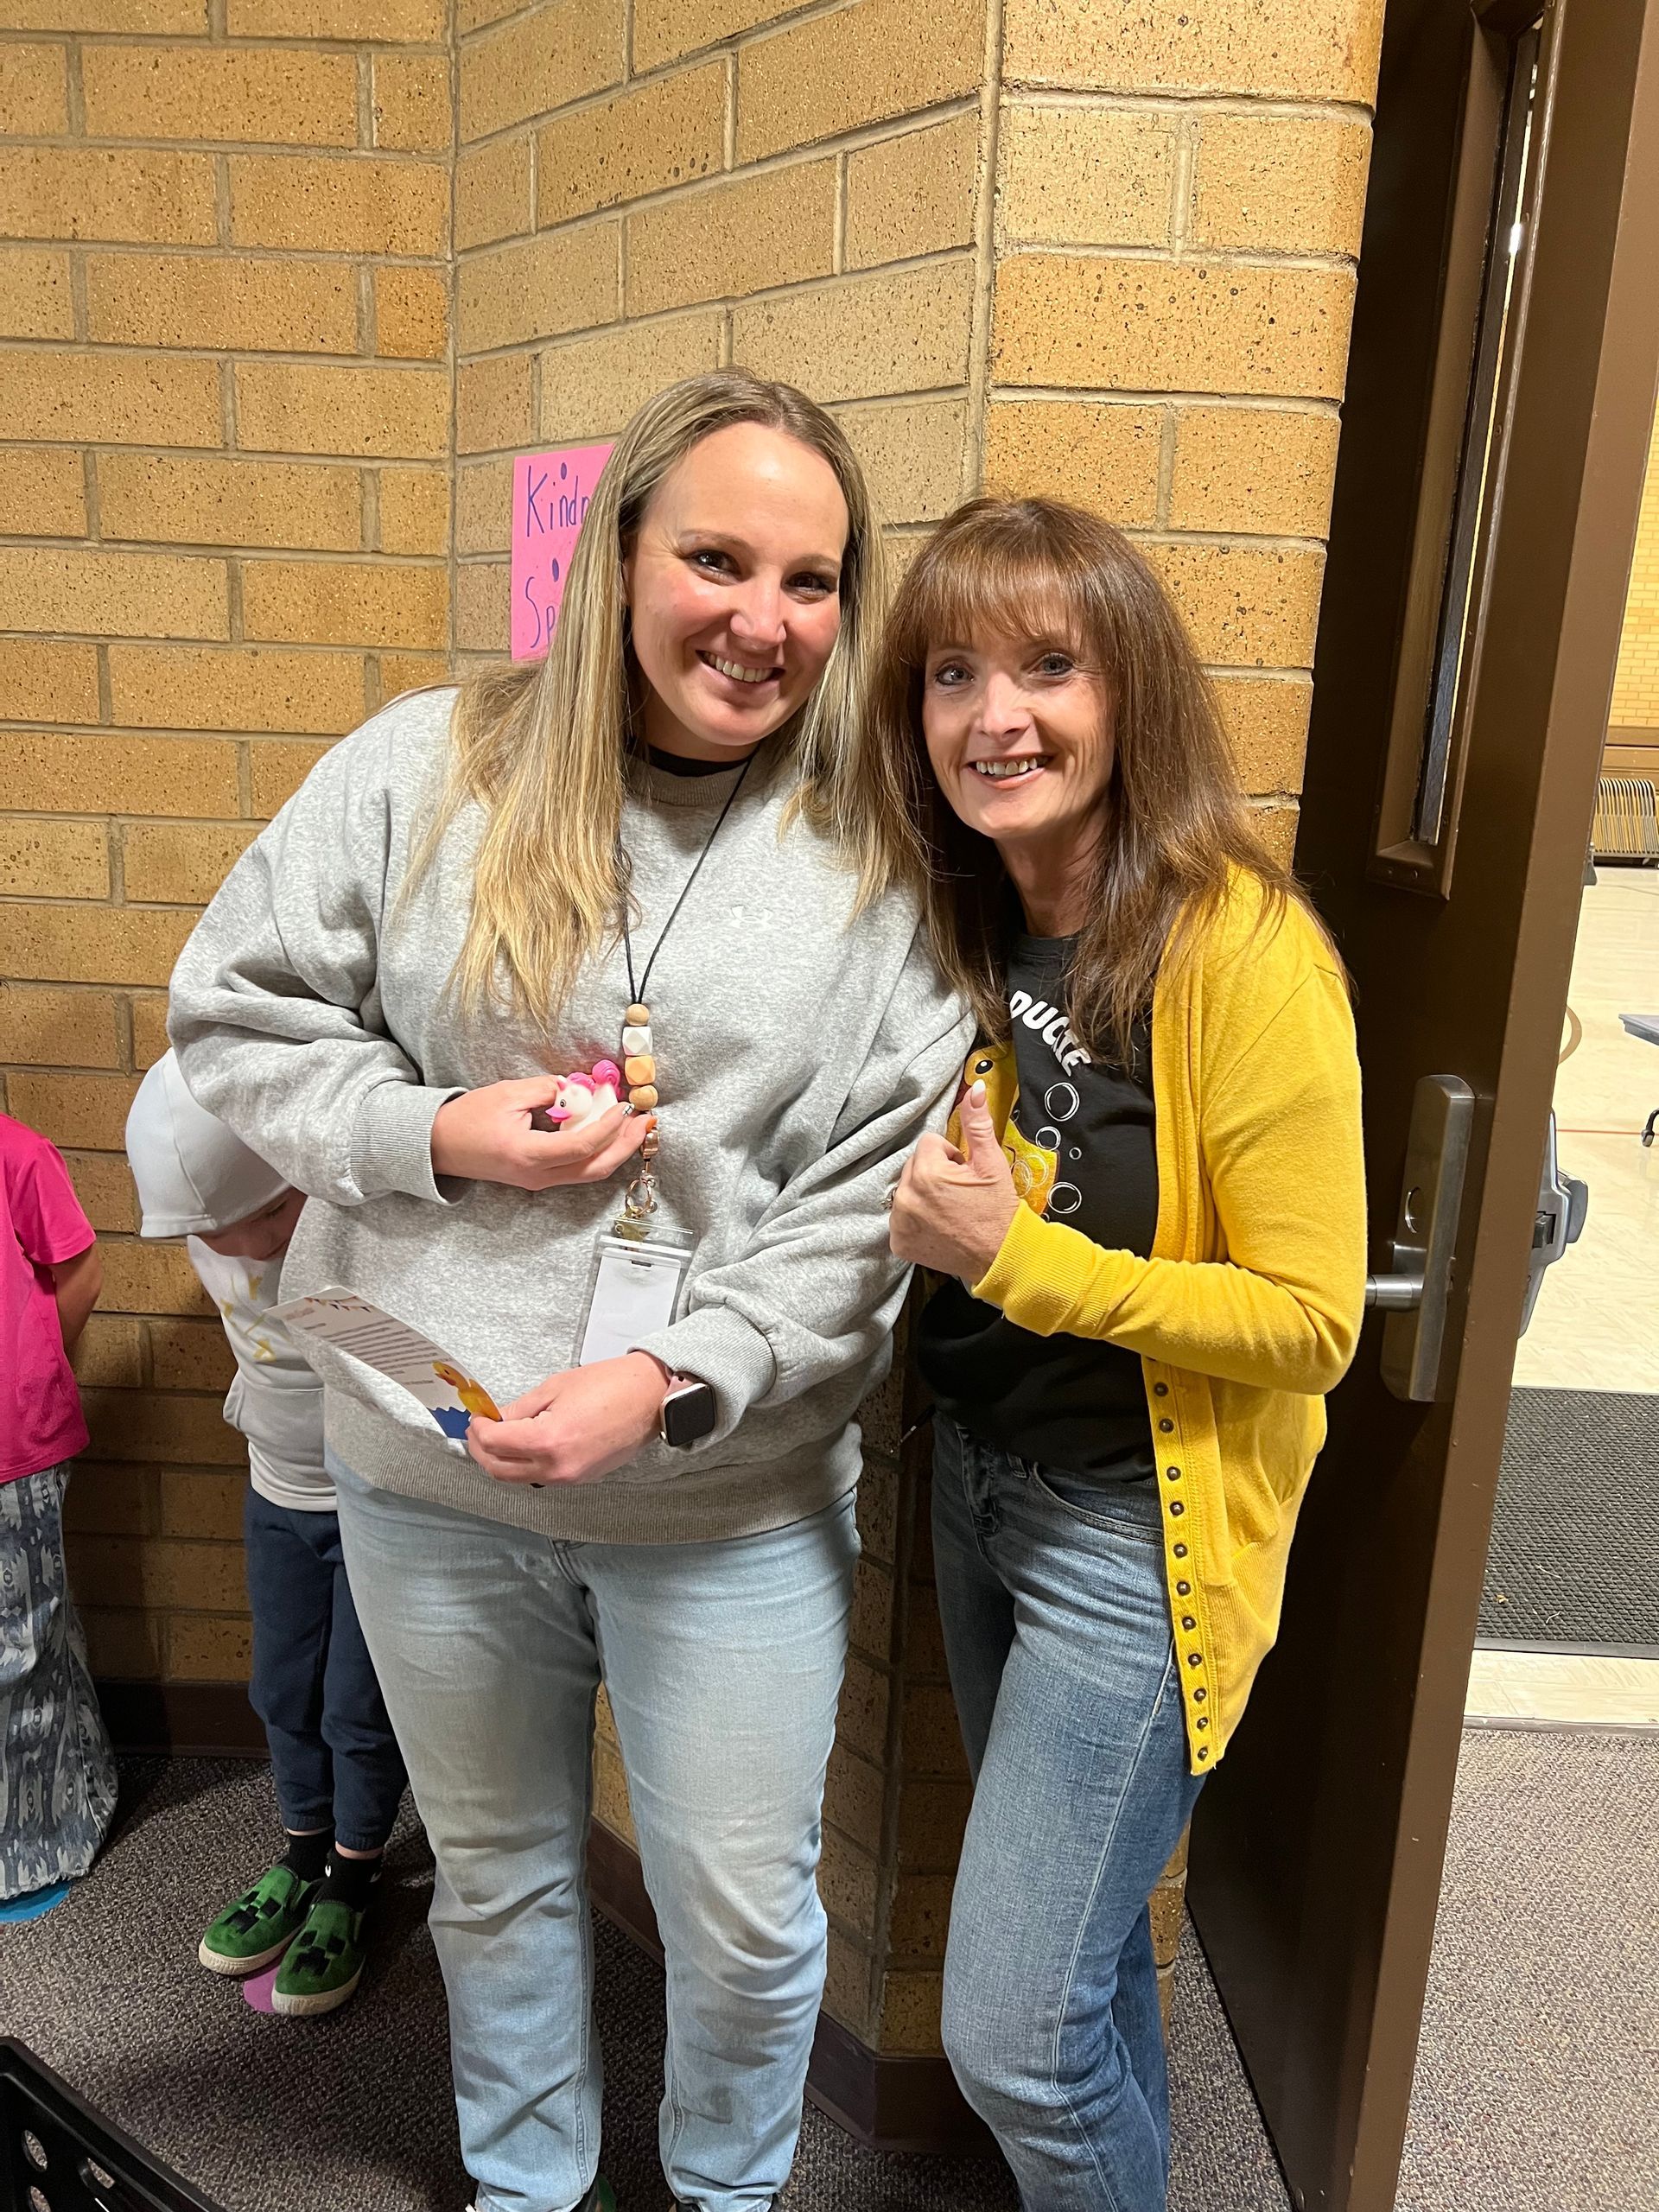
column 688, row 1412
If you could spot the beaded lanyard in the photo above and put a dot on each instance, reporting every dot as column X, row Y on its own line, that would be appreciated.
column 638, row 1052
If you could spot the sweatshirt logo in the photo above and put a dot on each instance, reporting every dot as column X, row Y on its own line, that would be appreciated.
column 1052, row 1026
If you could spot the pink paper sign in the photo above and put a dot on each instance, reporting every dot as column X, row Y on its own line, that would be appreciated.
column 550, row 493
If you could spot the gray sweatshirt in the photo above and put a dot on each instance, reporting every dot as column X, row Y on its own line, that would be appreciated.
column 801, row 1050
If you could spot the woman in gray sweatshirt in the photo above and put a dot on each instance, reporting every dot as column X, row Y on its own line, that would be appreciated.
column 669, row 846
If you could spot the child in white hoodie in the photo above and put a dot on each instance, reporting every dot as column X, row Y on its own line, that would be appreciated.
column 336, row 1766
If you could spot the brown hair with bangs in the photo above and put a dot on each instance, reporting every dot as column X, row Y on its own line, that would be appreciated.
column 1175, row 828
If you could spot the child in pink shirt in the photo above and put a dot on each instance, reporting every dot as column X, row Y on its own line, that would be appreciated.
column 57, row 1774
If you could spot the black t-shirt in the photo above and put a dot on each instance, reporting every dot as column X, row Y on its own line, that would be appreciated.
column 1066, row 1401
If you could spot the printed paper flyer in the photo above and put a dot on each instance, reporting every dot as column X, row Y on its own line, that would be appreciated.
column 393, row 1349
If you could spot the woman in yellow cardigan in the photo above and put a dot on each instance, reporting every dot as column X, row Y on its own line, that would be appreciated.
column 1151, row 1210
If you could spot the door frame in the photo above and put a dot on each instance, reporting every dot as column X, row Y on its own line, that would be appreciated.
column 1318, row 1844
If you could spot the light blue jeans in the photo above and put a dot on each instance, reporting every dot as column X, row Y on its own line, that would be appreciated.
column 723, row 1662
column 1057, row 1635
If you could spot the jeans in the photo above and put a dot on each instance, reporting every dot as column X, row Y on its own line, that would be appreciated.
column 1057, row 1632
column 723, row 1664
column 334, row 1757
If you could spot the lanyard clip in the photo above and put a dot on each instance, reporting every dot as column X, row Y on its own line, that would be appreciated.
column 639, row 1203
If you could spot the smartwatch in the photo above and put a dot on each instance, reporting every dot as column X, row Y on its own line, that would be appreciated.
column 688, row 1413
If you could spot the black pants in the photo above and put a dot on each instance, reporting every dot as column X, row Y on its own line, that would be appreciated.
column 333, row 1757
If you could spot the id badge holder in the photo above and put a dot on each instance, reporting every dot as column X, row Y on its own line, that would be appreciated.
column 635, row 1291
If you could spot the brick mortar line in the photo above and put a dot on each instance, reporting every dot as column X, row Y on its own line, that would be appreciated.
column 74, row 89
column 289, row 357
column 210, row 150
column 1049, row 87
column 1125, row 396
column 1289, row 541
column 364, row 101
column 987, row 188
column 1190, row 254
column 113, row 903
column 306, row 257
column 1168, row 439
column 104, row 906
column 793, row 288
column 1271, row 107
column 21, row 1067
column 200, row 42
column 853, row 140
column 1183, row 171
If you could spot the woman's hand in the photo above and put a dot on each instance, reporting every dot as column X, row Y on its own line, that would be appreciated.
column 486, row 1137
column 952, row 1209
column 575, row 1426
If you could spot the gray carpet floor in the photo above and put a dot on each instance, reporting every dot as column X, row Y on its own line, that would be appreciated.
column 1537, row 2085
column 353, row 2114
column 1535, row 2082
column 1574, row 1553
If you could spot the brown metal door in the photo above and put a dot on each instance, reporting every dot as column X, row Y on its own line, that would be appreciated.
column 1506, row 348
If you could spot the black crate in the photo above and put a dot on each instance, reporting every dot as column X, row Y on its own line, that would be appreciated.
column 58, row 2156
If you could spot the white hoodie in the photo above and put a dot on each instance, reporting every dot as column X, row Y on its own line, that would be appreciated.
column 194, row 1177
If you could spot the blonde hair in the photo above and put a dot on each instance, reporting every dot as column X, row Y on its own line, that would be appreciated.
column 542, row 747
column 1176, row 830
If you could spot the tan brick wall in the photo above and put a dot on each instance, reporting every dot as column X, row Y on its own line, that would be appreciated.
column 794, row 188
column 1635, row 691
column 224, row 530
column 1179, row 196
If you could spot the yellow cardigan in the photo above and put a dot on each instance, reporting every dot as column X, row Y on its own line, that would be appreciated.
column 1250, row 1307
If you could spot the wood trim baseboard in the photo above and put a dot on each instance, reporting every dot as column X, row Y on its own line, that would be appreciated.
column 884, row 2102
column 212, row 1720
column 1632, row 753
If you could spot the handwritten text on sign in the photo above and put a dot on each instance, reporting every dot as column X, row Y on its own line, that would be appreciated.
column 551, row 493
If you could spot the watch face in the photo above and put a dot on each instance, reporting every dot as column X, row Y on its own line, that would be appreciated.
column 688, row 1413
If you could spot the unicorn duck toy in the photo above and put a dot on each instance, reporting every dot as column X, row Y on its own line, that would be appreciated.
column 580, row 1096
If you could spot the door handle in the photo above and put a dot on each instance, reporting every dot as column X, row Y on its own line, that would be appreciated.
column 1414, row 1289
column 1394, row 1293
column 1563, row 1203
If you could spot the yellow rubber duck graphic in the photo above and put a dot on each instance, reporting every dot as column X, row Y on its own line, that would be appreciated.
column 472, row 1395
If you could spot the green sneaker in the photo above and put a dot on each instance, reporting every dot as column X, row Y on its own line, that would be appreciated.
column 324, row 1962
column 260, row 1926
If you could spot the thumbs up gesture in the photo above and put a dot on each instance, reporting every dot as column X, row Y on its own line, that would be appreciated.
column 952, row 1208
